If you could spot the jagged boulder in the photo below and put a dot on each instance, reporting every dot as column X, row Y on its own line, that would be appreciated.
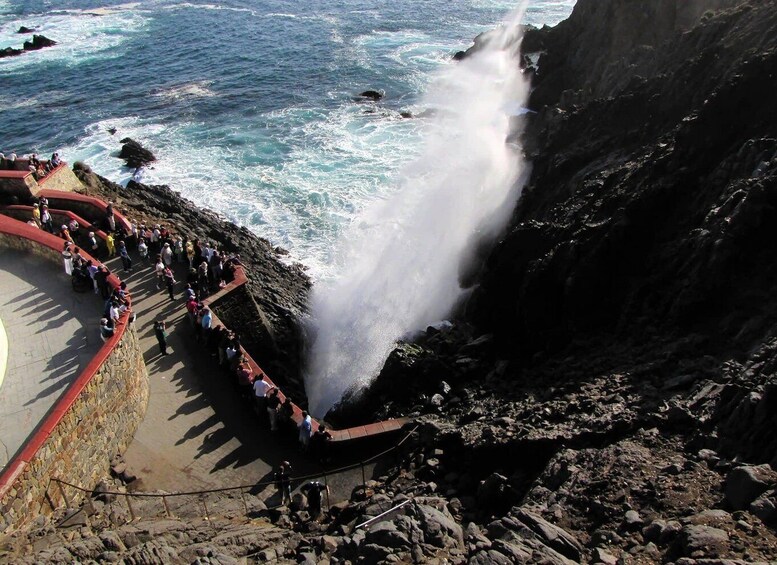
column 746, row 483
column 38, row 42
column 134, row 154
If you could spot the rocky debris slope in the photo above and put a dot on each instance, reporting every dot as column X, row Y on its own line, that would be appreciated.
column 267, row 312
column 644, row 499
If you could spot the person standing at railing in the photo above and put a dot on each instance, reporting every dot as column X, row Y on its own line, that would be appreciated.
column 36, row 214
column 110, row 217
column 305, row 430
column 273, row 403
column 45, row 218
column 93, row 247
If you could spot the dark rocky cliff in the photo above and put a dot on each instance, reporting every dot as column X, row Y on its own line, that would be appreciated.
column 649, row 210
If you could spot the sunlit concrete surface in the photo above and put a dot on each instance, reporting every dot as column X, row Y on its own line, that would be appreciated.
column 52, row 333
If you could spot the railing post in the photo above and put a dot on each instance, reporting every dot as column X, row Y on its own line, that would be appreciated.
column 62, row 492
column 167, row 508
column 129, row 506
column 205, row 506
column 243, row 498
column 48, row 497
column 364, row 479
column 326, row 484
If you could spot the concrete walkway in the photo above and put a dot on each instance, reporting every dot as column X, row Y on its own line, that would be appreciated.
column 198, row 433
column 52, row 332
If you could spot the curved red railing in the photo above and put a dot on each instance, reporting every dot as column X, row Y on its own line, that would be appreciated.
column 52, row 194
column 67, row 213
column 12, row 227
column 346, row 434
column 22, row 171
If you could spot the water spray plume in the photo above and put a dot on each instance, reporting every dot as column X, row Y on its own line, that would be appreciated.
column 402, row 258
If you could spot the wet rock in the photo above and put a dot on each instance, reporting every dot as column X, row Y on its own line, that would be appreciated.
column 372, row 95
column 38, row 42
column 134, row 154
column 24, row 29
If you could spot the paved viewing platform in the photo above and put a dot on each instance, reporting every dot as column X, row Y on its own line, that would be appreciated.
column 52, row 334
column 198, row 433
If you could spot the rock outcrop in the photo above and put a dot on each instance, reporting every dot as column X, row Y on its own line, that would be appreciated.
column 37, row 42
column 134, row 154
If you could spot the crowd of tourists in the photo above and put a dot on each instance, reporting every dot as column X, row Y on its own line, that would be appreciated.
column 253, row 386
column 31, row 163
column 208, row 269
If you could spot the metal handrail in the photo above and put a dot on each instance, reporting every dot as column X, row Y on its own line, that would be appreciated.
column 379, row 517
column 243, row 487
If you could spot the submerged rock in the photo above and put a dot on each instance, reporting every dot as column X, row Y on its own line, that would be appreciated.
column 372, row 95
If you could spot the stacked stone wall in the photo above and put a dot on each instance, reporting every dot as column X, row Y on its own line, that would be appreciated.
column 61, row 179
column 95, row 419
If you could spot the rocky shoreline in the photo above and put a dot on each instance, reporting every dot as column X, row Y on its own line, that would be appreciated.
column 609, row 392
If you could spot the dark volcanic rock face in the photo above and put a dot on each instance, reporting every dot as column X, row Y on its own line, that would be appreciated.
column 625, row 322
column 651, row 204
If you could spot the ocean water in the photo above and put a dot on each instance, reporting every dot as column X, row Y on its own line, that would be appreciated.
column 247, row 104
column 251, row 108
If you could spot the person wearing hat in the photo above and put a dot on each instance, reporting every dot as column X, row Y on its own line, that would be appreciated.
column 64, row 233
column 167, row 255
column 93, row 247
column 106, row 329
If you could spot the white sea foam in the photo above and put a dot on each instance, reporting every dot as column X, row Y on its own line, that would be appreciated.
column 400, row 260
column 196, row 89
column 215, row 7
column 79, row 37
column 296, row 183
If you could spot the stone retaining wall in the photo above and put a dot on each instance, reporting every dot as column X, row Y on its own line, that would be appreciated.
column 62, row 178
column 95, row 419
